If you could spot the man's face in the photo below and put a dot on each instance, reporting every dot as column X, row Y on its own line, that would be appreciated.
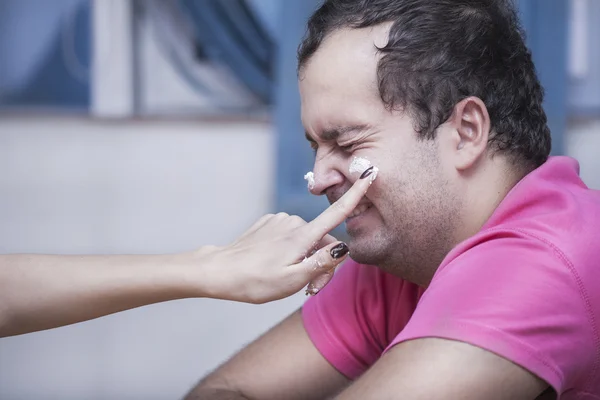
column 407, row 215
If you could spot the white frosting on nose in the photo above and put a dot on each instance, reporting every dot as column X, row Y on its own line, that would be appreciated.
column 310, row 178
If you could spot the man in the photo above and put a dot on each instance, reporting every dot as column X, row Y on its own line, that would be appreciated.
column 478, row 253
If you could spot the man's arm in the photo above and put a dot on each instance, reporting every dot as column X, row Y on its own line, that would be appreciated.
column 443, row 369
column 282, row 364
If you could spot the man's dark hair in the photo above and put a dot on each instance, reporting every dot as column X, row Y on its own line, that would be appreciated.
column 442, row 51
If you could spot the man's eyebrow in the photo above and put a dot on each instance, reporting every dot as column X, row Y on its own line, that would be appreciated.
column 334, row 133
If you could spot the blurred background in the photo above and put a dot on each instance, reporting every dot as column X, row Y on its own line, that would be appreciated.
column 153, row 126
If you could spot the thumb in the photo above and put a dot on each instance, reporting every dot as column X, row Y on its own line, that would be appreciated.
column 323, row 262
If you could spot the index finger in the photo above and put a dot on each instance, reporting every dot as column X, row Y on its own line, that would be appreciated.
column 336, row 213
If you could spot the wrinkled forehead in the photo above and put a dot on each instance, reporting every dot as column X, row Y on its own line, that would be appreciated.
column 341, row 76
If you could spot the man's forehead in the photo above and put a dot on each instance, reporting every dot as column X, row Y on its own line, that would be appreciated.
column 356, row 42
column 338, row 86
column 347, row 49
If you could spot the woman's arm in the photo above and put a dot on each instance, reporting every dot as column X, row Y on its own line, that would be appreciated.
column 266, row 263
column 46, row 291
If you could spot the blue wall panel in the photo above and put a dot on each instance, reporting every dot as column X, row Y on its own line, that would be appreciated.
column 545, row 22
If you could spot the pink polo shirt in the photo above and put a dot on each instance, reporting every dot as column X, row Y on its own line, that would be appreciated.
column 526, row 287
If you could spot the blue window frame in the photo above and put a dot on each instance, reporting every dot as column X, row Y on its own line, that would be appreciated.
column 584, row 79
column 545, row 23
column 45, row 54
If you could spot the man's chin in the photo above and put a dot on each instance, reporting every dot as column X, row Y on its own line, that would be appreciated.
column 363, row 250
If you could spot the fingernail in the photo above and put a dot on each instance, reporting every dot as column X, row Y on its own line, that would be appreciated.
column 367, row 172
column 339, row 251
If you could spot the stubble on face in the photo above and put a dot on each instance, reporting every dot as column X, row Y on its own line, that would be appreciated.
column 418, row 213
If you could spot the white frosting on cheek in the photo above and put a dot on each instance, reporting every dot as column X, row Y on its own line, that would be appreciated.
column 310, row 178
column 359, row 165
column 374, row 174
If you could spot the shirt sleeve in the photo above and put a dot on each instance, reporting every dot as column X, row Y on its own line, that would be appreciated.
column 344, row 320
column 518, row 297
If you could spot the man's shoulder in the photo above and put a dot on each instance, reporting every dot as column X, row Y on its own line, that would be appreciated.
column 552, row 206
column 511, row 290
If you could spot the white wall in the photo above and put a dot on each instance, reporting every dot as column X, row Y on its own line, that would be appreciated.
column 71, row 185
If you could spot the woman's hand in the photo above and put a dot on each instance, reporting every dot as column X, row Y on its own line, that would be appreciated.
column 280, row 254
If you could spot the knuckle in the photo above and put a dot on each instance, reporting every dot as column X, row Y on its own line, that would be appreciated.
column 322, row 259
column 265, row 218
column 297, row 220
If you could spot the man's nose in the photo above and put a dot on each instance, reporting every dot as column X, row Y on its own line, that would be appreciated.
column 327, row 175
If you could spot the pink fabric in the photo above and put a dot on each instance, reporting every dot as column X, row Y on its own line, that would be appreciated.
column 526, row 287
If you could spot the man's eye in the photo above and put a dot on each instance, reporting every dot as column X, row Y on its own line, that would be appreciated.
column 347, row 148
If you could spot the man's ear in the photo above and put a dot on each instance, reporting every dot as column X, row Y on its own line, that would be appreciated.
column 471, row 123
